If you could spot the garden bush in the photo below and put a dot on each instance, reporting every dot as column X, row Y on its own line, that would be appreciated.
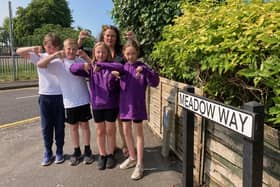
column 230, row 50
column 145, row 18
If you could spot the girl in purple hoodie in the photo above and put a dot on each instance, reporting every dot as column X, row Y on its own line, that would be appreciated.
column 133, row 82
column 104, row 93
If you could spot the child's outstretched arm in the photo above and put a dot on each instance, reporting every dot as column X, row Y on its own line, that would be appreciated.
column 24, row 51
column 151, row 76
column 80, row 69
column 43, row 63
column 112, row 66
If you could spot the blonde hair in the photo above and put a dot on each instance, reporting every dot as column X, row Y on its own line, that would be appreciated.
column 102, row 44
column 71, row 42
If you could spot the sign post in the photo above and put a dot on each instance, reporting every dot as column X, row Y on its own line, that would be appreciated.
column 253, row 150
column 188, row 148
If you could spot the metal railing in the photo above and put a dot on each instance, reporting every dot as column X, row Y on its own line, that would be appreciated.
column 16, row 68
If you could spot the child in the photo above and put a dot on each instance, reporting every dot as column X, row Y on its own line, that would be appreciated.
column 133, row 84
column 111, row 36
column 104, row 88
column 75, row 97
column 50, row 99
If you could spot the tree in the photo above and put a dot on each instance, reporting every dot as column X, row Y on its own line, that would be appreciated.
column 145, row 18
column 64, row 32
column 40, row 12
column 4, row 32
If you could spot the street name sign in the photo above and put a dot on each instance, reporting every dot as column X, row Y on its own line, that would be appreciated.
column 235, row 119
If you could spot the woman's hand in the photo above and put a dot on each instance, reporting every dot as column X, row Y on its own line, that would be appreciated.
column 83, row 34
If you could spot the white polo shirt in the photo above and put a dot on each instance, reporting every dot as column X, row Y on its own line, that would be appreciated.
column 74, row 88
column 48, row 83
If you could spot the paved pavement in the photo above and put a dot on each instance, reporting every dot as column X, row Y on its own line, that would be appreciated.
column 21, row 153
column 18, row 84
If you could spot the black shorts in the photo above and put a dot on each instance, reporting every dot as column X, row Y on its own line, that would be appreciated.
column 134, row 121
column 78, row 114
column 102, row 115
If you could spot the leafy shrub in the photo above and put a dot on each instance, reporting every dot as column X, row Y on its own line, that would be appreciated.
column 145, row 18
column 231, row 50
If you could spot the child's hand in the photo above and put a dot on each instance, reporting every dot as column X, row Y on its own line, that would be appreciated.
column 59, row 54
column 83, row 34
column 139, row 69
column 96, row 68
column 81, row 53
column 116, row 74
column 37, row 49
column 86, row 67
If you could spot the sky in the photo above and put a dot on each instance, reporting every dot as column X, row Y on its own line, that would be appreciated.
column 89, row 14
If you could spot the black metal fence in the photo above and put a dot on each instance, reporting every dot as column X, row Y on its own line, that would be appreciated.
column 16, row 68
column 5, row 51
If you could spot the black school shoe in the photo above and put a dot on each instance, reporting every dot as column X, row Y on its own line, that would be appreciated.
column 75, row 160
column 101, row 163
column 88, row 158
column 111, row 162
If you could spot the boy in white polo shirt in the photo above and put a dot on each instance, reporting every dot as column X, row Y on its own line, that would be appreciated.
column 50, row 99
column 75, row 97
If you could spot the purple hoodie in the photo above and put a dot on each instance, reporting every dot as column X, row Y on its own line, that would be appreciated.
column 104, row 87
column 133, row 90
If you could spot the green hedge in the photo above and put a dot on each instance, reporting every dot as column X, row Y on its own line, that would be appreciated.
column 145, row 18
column 231, row 50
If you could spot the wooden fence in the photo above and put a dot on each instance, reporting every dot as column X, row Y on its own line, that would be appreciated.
column 166, row 95
column 217, row 150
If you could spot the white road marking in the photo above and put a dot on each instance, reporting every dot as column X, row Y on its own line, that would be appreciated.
column 27, row 97
column 18, row 89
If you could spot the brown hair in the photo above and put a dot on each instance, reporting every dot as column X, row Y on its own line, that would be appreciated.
column 102, row 44
column 118, row 46
column 132, row 43
column 53, row 38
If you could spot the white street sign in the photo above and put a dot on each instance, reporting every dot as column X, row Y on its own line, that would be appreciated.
column 236, row 120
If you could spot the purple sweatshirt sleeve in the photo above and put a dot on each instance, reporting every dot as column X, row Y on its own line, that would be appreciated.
column 112, row 66
column 78, row 69
column 152, row 76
